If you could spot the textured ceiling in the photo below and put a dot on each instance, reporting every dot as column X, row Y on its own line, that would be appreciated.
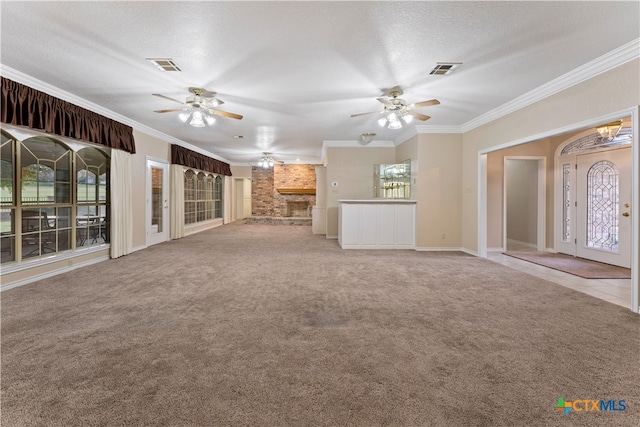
column 296, row 71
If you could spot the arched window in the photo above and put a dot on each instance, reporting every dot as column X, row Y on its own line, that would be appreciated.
column 189, row 197
column 218, row 192
column 53, row 198
column 595, row 142
column 45, row 196
column 7, row 198
column 92, row 215
column 209, row 196
column 202, row 196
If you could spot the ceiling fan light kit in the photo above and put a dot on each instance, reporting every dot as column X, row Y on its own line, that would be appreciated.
column 197, row 118
column 198, row 110
column 267, row 161
column 396, row 111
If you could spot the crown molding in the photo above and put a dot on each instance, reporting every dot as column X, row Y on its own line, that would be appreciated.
column 421, row 129
column 47, row 88
column 615, row 58
column 356, row 144
column 438, row 129
column 405, row 136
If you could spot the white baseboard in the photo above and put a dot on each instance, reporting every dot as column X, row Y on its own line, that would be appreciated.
column 53, row 273
column 469, row 251
column 447, row 249
column 437, row 249
column 138, row 248
column 518, row 242
column 332, row 237
column 495, row 249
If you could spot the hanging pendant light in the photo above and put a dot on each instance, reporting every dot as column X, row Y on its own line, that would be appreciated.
column 610, row 130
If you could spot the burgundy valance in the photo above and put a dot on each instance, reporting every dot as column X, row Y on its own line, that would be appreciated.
column 184, row 156
column 25, row 106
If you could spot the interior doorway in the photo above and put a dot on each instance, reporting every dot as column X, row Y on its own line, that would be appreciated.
column 243, row 198
column 488, row 217
column 524, row 204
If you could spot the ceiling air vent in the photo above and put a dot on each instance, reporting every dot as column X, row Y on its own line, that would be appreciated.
column 164, row 64
column 443, row 68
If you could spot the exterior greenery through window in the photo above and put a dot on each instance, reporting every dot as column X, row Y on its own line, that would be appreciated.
column 52, row 198
column 202, row 196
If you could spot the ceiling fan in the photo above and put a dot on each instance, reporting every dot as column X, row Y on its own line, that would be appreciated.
column 396, row 108
column 267, row 161
column 198, row 109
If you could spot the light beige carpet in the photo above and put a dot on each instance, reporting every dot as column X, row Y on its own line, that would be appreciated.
column 258, row 325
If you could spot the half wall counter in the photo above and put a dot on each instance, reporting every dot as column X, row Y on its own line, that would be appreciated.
column 376, row 224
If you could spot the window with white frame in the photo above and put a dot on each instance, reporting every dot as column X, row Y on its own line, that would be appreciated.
column 202, row 196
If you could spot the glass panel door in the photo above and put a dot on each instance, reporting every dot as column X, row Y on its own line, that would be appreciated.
column 603, row 199
column 157, row 202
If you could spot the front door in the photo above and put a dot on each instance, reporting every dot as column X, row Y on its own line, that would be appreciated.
column 157, row 202
column 603, row 199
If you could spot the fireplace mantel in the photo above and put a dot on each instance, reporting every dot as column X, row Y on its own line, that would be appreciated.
column 296, row 190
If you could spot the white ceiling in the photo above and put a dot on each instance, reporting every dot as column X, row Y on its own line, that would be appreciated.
column 296, row 71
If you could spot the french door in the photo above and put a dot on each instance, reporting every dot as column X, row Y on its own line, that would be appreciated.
column 157, row 219
column 596, row 198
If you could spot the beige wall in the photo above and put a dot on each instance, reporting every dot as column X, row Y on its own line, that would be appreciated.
column 156, row 149
column 521, row 182
column 241, row 171
column 437, row 191
column 352, row 169
column 607, row 93
column 436, row 178
column 495, row 184
column 408, row 150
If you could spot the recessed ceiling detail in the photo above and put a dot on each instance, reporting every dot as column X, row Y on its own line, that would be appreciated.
column 443, row 68
column 164, row 64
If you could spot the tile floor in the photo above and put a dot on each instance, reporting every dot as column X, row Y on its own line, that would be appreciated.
column 616, row 291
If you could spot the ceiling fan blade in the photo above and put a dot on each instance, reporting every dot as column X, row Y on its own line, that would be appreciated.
column 166, row 97
column 167, row 111
column 419, row 116
column 364, row 114
column 423, row 104
column 224, row 113
column 386, row 102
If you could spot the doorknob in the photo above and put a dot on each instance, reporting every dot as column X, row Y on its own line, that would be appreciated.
column 625, row 214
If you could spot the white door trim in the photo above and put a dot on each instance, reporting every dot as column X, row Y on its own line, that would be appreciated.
column 634, row 112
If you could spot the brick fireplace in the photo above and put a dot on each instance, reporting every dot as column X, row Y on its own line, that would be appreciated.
column 284, row 194
column 298, row 210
